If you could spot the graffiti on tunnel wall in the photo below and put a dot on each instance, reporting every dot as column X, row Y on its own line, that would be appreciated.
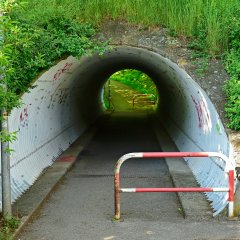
column 61, row 71
column 43, row 132
column 24, row 117
column 204, row 117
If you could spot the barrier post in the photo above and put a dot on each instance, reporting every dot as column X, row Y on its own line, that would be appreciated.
column 117, row 196
column 231, row 193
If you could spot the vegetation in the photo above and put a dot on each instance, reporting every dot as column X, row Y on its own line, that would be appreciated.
column 41, row 31
column 107, row 96
column 232, row 60
column 31, row 45
column 136, row 79
column 8, row 225
column 208, row 20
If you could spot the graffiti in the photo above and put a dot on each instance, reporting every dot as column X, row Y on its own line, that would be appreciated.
column 59, row 96
column 62, row 96
column 204, row 119
column 61, row 71
column 24, row 117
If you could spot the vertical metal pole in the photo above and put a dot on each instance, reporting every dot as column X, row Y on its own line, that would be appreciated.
column 231, row 193
column 5, row 160
column 5, row 165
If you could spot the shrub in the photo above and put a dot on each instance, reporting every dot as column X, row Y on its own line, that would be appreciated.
column 30, row 47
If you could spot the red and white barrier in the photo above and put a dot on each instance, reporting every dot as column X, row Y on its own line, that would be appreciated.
column 118, row 190
column 174, row 190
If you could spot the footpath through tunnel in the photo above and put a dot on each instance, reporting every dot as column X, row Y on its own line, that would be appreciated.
column 82, row 207
column 67, row 99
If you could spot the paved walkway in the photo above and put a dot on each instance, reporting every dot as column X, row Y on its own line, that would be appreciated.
column 83, row 206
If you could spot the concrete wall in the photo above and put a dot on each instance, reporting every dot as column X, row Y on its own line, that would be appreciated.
column 67, row 99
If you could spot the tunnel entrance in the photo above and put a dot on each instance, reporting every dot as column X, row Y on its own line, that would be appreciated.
column 67, row 100
column 130, row 90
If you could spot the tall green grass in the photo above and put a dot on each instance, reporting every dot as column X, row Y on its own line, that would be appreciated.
column 137, row 80
column 212, row 26
column 208, row 19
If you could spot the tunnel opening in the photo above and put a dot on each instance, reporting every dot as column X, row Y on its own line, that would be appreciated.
column 174, row 102
column 129, row 90
column 68, row 100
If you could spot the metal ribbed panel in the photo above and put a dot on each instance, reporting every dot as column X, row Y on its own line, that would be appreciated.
column 197, row 127
column 45, row 125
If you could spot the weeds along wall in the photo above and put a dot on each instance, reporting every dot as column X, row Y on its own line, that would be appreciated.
column 66, row 100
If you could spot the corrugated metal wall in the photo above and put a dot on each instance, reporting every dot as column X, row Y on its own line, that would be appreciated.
column 46, row 125
column 63, row 104
column 196, row 126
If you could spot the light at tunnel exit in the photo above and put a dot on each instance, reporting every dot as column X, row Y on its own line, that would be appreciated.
column 130, row 90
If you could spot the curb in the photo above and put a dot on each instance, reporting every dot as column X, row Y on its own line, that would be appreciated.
column 194, row 205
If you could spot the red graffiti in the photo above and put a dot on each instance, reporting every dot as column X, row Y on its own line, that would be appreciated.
column 24, row 117
column 199, row 111
column 204, row 120
column 61, row 71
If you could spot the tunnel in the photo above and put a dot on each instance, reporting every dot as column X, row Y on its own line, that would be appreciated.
column 66, row 99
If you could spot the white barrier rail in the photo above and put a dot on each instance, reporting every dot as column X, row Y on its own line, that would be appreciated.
column 230, row 171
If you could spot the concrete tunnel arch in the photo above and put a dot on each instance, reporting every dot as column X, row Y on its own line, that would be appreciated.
column 65, row 100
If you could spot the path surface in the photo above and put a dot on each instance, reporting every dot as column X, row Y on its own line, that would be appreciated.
column 83, row 205
column 82, row 208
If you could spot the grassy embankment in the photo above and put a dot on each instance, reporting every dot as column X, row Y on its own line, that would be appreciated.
column 209, row 21
column 135, row 79
column 211, row 26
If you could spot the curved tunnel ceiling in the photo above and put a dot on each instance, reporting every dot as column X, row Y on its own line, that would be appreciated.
column 67, row 99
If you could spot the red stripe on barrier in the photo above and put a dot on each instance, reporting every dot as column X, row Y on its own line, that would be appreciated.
column 174, row 154
column 174, row 190
column 231, row 185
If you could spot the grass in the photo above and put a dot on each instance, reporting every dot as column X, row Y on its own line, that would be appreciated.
column 136, row 80
column 189, row 18
column 7, row 226
column 211, row 26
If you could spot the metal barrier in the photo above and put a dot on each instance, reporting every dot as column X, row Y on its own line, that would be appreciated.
column 145, row 98
column 229, row 170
